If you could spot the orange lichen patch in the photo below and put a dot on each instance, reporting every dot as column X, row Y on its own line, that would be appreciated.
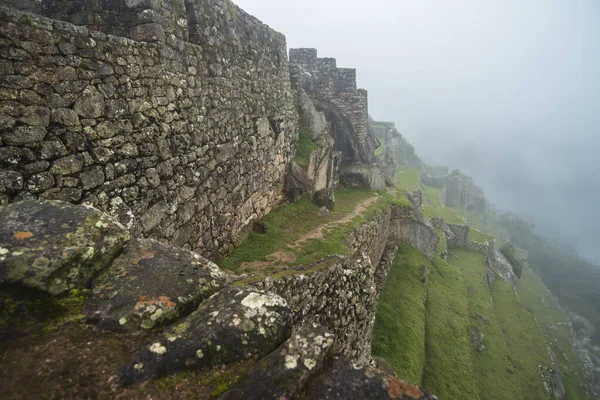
column 143, row 255
column 23, row 235
column 399, row 388
column 163, row 301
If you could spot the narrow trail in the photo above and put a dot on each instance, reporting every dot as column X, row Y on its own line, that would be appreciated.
column 283, row 256
column 317, row 233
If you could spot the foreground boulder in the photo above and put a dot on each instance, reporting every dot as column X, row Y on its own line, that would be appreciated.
column 346, row 381
column 151, row 284
column 283, row 373
column 55, row 246
column 234, row 324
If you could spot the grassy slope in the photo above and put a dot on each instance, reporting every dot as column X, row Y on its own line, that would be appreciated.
column 408, row 179
column 399, row 332
column 449, row 371
column 535, row 297
column 288, row 223
column 433, row 208
column 478, row 236
column 495, row 374
column 432, row 195
column 525, row 344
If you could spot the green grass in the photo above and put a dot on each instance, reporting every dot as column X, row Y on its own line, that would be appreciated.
column 495, row 374
column 535, row 297
column 478, row 236
column 524, row 341
column 399, row 331
column 305, row 147
column 408, row 179
column 442, row 243
column 432, row 195
column 449, row 371
column 287, row 224
column 430, row 211
column 450, row 216
column 381, row 148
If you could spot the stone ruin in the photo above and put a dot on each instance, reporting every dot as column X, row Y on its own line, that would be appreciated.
column 140, row 136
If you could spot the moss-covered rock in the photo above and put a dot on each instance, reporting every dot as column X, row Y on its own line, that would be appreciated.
column 151, row 284
column 283, row 373
column 55, row 246
column 233, row 325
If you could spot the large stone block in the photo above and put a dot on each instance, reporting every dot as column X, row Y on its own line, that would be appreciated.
column 149, row 285
column 55, row 246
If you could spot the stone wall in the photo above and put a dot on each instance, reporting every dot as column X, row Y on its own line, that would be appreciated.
column 460, row 191
column 337, row 91
column 495, row 262
column 185, row 142
column 341, row 293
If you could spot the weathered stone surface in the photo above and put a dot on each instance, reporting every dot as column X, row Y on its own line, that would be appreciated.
column 336, row 92
column 55, row 246
column 324, row 197
column 412, row 228
column 90, row 104
column 149, row 285
column 345, row 381
column 140, row 120
column 297, row 183
column 23, row 135
column 362, row 176
column 285, row 371
column 234, row 324
column 497, row 265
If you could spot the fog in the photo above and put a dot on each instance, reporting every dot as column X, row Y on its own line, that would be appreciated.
column 507, row 91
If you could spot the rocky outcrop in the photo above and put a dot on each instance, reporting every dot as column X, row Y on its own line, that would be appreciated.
column 55, row 246
column 587, row 352
column 497, row 265
column 324, row 198
column 297, row 183
column 345, row 381
column 322, row 171
column 283, row 373
column 362, row 176
column 233, row 325
column 150, row 285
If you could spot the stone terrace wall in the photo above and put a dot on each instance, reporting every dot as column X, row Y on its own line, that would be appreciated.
column 184, row 144
column 341, row 292
column 337, row 86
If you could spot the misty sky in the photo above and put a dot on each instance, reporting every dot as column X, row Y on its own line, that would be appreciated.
column 508, row 91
